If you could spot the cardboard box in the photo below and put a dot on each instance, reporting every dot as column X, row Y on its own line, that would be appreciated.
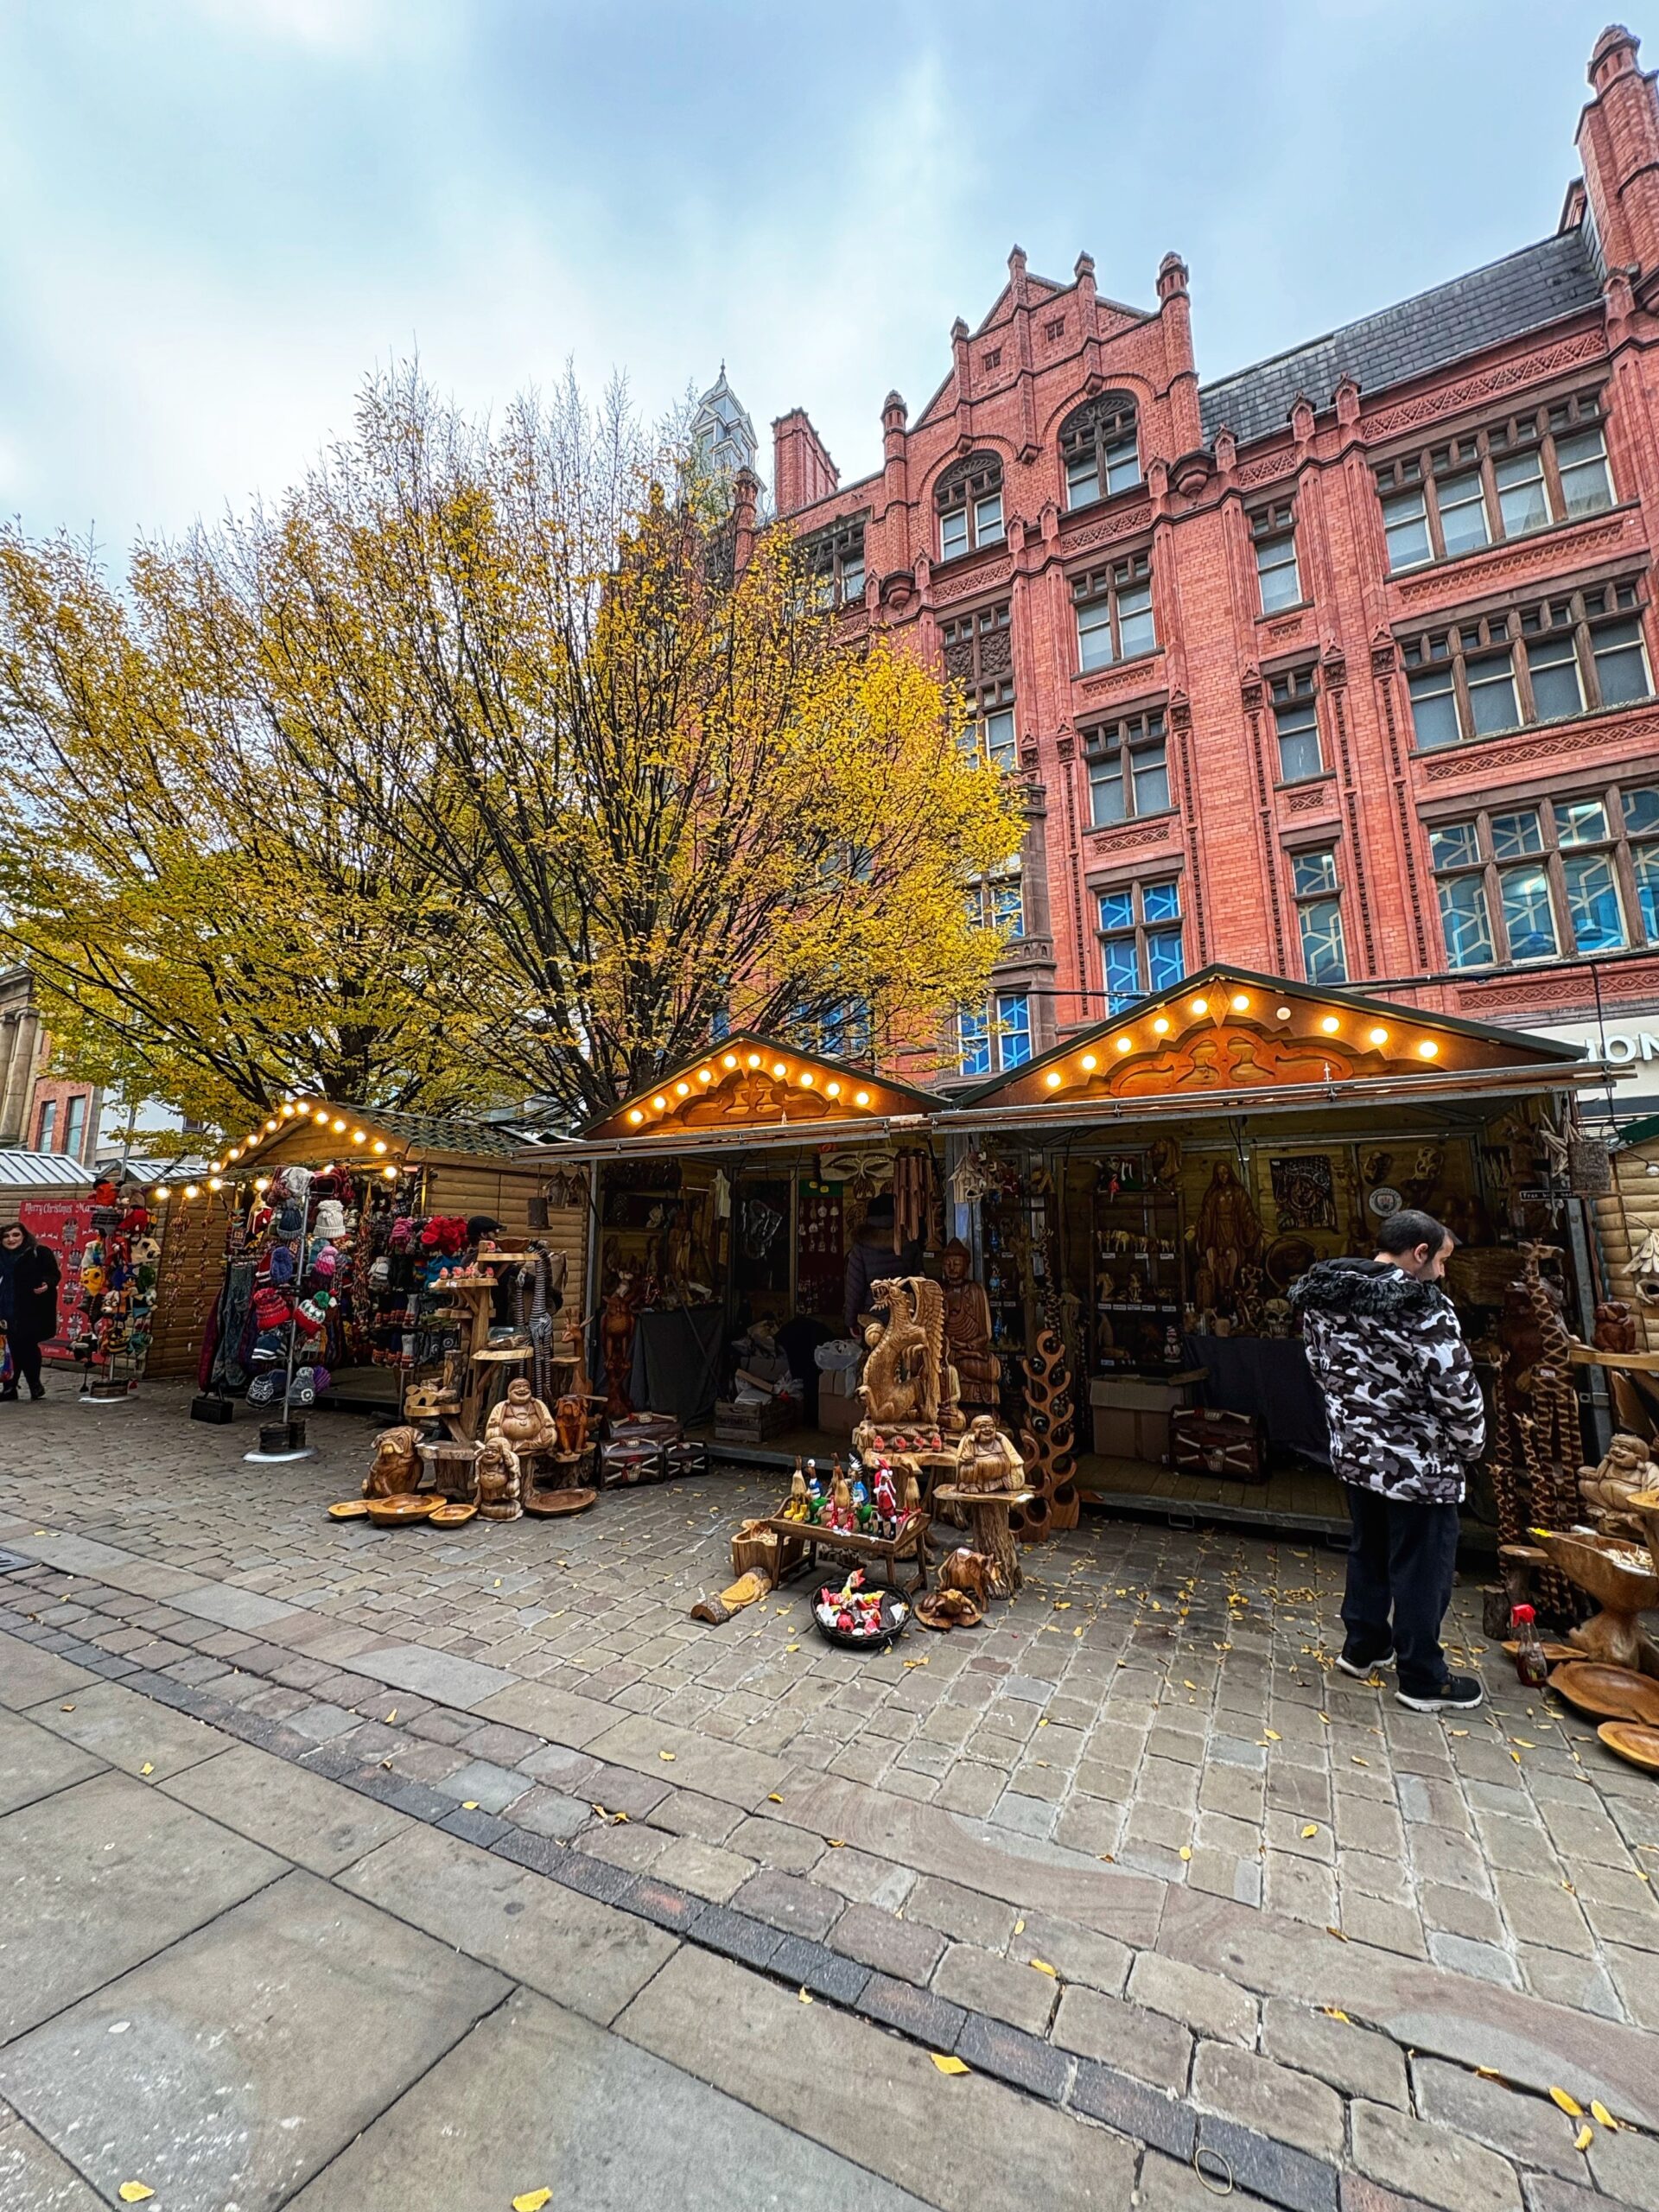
column 838, row 1416
column 1131, row 1415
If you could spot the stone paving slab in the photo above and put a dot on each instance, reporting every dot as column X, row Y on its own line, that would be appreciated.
column 555, row 1713
column 316, row 1823
column 100, row 1876
column 124, row 1730
column 253, row 2052
column 584, row 1955
column 965, row 2142
column 437, row 1674
column 34, row 1762
column 27, row 1675
column 232, row 1608
column 717, row 1769
column 33, row 2178
column 533, row 2099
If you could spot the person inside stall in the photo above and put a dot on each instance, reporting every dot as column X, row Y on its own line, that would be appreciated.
column 28, row 1303
column 873, row 1260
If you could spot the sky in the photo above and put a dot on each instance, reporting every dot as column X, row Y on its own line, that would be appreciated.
column 220, row 215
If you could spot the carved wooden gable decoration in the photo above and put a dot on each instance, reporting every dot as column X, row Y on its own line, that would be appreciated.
column 1226, row 1030
column 749, row 1082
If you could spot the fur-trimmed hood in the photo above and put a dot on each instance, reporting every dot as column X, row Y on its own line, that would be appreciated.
column 1373, row 1286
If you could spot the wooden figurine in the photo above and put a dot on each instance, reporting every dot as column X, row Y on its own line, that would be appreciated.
column 1228, row 1227
column 394, row 1472
column 966, row 1569
column 498, row 1486
column 570, row 1420
column 986, row 1460
column 902, row 1376
column 523, row 1421
column 1608, row 1488
column 968, row 1329
column 617, row 1322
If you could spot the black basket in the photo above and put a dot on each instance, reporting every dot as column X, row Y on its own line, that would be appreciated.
column 895, row 1618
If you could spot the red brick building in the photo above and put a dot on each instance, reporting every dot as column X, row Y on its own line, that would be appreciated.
column 1342, row 666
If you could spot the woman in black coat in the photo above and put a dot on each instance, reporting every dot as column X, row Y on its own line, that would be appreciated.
column 29, row 1303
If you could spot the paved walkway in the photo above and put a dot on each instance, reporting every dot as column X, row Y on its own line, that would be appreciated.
column 1188, row 1906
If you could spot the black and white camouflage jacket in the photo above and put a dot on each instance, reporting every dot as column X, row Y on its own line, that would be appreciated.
column 1401, row 1393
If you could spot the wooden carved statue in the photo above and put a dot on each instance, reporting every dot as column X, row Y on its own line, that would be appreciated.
column 521, row 1421
column 394, row 1472
column 617, row 1321
column 1228, row 1229
column 986, row 1460
column 969, row 1570
column 1608, row 1488
column 500, row 1497
column 570, row 1420
column 903, row 1374
column 968, row 1329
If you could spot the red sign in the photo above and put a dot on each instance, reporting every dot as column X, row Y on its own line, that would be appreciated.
column 64, row 1226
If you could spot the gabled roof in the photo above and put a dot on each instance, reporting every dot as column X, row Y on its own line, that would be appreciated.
column 1229, row 1030
column 751, row 1082
column 1525, row 291
column 373, row 1134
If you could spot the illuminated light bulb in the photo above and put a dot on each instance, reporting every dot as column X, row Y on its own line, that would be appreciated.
column 1161, row 1027
column 705, row 1075
column 261, row 1182
column 1282, row 1012
column 682, row 1090
column 730, row 1060
column 1200, row 1006
column 359, row 1136
column 832, row 1089
column 660, row 1103
column 778, row 1068
column 1241, row 1001
column 215, row 1182
column 190, row 1191
column 1329, row 1025
column 1089, row 1063
column 390, row 1174
column 270, row 1123
column 635, row 1115
column 159, row 1193
column 861, row 1098
column 1053, row 1079
column 321, row 1116
column 1125, row 1043
column 288, row 1108
column 339, row 1128
column 1378, row 1036
column 235, row 1153
column 1429, row 1048
column 380, row 1144
column 807, row 1078
column 754, row 1060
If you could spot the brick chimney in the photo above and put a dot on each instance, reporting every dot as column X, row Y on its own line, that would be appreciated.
column 1618, row 144
column 802, row 471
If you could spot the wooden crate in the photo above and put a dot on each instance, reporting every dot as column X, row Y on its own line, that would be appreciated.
column 735, row 1424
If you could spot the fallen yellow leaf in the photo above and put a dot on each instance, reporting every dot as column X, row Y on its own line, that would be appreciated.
column 1187, row 1851
column 1018, row 1926
column 1488, row 2074
column 836, row 1842
column 133, row 2192
column 619, row 1820
column 532, row 2200
column 66, row 1708
column 391, row 1717
column 1312, row 1828
column 1583, row 2138
column 1042, row 1966
column 669, row 1756
column 1337, row 1932
column 469, row 1804
column 773, row 1797
column 1568, row 2103
column 1272, row 1735
column 1601, row 2113
column 792, row 1646
column 149, row 1767
column 1335, row 2013
column 947, row 2065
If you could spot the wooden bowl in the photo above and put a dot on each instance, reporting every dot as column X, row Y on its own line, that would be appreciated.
column 349, row 1508
column 1608, row 1692
column 453, row 1513
column 1616, row 1577
column 550, row 1503
column 1633, row 1742
column 395, row 1512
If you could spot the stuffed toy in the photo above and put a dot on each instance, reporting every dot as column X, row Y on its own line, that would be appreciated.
column 103, row 1193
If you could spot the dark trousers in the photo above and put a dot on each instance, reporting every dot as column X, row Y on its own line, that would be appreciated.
column 26, row 1359
column 1402, row 1557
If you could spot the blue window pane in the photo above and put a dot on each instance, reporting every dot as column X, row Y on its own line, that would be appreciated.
column 1527, row 914
column 1492, row 704
column 1014, row 1027
column 1313, row 872
column 1593, row 902
column 973, row 1038
column 1555, row 687
column 1641, row 813
column 1123, row 972
column 1435, row 710
column 1117, row 910
column 1161, row 902
column 1580, row 822
column 1515, row 833
column 1455, row 844
column 1323, row 956
column 1466, row 924
column 1645, row 861
column 1166, row 959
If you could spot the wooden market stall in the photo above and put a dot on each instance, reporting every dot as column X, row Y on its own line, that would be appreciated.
column 1627, row 1225
column 413, row 1164
column 1150, row 1190
column 726, row 1199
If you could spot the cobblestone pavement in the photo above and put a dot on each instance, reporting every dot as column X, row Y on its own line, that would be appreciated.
column 1133, row 1847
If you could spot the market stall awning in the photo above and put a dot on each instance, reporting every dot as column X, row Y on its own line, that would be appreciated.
column 749, row 1088
column 370, row 1135
column 1230, row 1041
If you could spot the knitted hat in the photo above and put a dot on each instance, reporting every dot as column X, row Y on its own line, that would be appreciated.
column 271, row 1307
column 264, row 1387
column 330, row 1218
column 282, row 1265
column 267, row 1345
column 325, row 1263
column 295, row 1181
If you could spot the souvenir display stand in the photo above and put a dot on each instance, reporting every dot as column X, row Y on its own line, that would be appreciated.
column 113, row 1293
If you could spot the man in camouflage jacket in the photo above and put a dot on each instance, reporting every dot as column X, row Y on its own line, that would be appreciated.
column 1406, row 1417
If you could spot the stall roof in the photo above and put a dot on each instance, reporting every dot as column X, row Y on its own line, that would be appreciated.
column 1226, row 1036
column 375, row 1131
column 749, row 1084
column 42, row 1171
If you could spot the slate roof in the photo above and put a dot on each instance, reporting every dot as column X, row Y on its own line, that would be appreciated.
column 437, row 1131
column 1558, row 276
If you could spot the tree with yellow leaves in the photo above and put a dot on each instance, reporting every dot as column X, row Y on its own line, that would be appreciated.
column 502, row 712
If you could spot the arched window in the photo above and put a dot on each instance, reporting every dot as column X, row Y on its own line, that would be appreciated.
column 968, row 500
column 1098, row 447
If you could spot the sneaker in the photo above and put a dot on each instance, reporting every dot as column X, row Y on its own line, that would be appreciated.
column 1461, row 1692
column 38, row 1390
column 1364, row 1673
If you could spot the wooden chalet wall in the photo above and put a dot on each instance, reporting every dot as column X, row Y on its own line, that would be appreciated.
column 1625, row 1218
